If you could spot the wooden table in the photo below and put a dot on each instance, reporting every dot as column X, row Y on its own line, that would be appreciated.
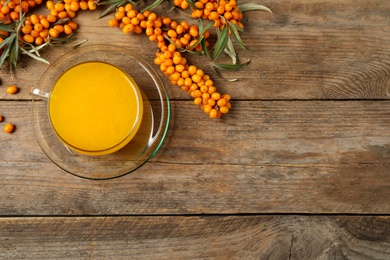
column 299, row 169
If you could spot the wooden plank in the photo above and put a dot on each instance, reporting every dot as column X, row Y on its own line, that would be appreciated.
column 273, row 157
column 305, row 50
column 216, row 237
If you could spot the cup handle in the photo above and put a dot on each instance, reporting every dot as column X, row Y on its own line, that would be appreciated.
column 40, row 93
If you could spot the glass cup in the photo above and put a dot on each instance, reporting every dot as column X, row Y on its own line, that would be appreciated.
column 137, row 122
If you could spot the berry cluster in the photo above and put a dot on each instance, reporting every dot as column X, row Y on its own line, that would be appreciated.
column 172, row 37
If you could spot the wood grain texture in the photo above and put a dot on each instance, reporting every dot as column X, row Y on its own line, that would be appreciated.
column 265, row 157
column 308, row 134
column 208, row 237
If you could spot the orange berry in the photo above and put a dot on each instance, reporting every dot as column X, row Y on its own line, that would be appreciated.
column 51, row 18
column 26, row 29
column 38, row 40
column 53, row 32
column 9, row 128
column 198, row 101
column 13, row 89
column 34, row 19
column 38, row 27
column 73, row 25
column 213, row 113
column 91, row 5
column 224, row 109
column 75, row 6
column 59, row 28
column 67, row 29
column 221, row 102
column 28, row 38
column 83, row 5
column 59, row 6
column 128, row 28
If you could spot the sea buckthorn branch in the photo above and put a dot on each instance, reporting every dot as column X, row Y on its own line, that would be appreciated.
column 173, row 38
column 22, row 34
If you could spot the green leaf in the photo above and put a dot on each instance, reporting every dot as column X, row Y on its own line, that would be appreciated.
column 219, row 75
column 191, row 3
column 236, row 35
column 252, row 7
column 204, row 48
column 34, row 56
column 151, row 6
column 8, row 27
column 230, row 66
column 107, row 10
column 220, row 45
column 229, row 50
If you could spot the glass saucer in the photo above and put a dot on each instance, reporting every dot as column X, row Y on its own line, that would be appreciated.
column 143, row 146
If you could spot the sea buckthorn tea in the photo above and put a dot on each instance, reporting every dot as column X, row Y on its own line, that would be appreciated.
column 95, row 108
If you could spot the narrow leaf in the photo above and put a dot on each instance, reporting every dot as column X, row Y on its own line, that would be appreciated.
column 252, row 7
column 220, row 45
column 229, row 50
column 236, row 35
column 108, row 10
column 204, row 48
column 230, row 66
column 151, row 6
column 32, row 55
column 219, row 75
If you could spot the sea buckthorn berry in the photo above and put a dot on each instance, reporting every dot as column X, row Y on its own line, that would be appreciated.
column 177, row 59
column 9, row 128
column 14, row 15
column 12, row 89
column 34, row 19
column 45, row 23
column 212, row 89
column 226, row 97
column 34, row 33
column 207, row 108
column 198, row 101
column 59, row 28
column 128, row 28
column 1, row 118
column 179, row 29
column 211, row 102
column 192, row 69
column 26, row 29
column 38, row 40
column 215, row 96
column 62, row 15
column 91, row 5
column 44, row 33
column 51, row 18
column 73, row 25
column 59, row 6
column 138, row 29
column 176, row 76
column 119, row 15
column 221, row 102
column 28, row 38
column 213, row 113
column 224, row 109
column 128, row 7
column 67, row 29
column 53, row 32
column 170, row 70
column 38, row 27
column 184, row 5
column 83, row 5
column 75, row 6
